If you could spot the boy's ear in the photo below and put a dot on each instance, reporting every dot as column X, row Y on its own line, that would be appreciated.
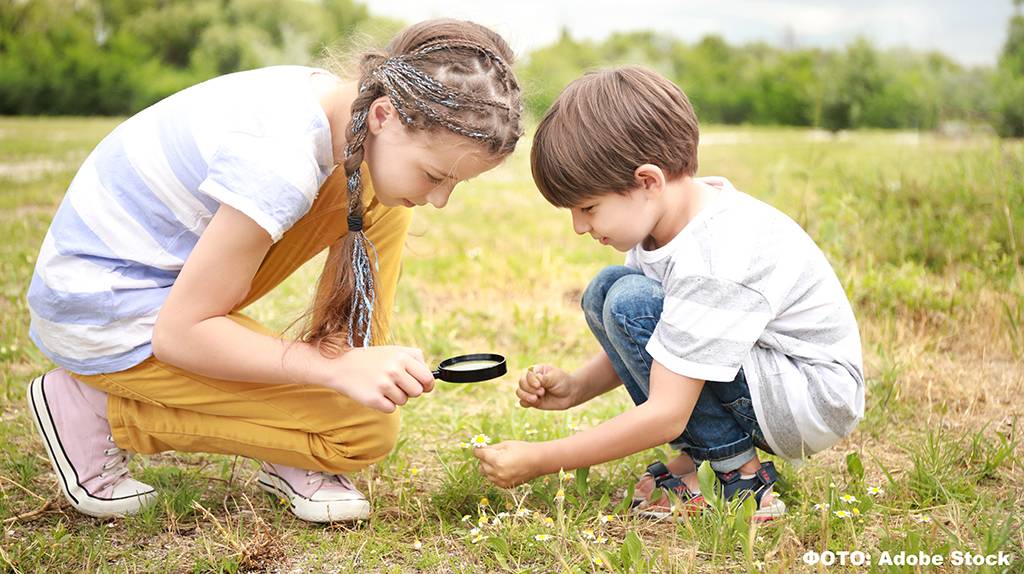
column 380, row 113
column 649, row 179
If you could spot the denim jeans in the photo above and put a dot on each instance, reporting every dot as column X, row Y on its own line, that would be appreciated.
column 622, row 307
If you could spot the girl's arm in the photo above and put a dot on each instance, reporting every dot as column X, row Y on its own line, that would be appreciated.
column 194, row 333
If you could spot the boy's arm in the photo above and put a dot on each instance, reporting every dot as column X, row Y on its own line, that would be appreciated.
column 659, row 420
column 596, row 377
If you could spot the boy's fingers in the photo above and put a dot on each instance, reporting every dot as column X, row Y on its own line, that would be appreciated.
column 526, row 396
column 533, row 380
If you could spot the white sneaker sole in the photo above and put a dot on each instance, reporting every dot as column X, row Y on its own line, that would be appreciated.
column 314, row 510
column 67, row 477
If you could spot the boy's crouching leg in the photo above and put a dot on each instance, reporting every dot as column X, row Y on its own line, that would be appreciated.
column 594, row 297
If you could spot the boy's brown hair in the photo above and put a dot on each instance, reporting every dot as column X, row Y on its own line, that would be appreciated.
column 605, row 125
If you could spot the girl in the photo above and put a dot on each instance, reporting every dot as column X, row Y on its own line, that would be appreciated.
column 199, row 205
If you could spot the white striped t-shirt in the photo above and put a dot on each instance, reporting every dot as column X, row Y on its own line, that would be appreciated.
column 745, row 286
column 258, row 141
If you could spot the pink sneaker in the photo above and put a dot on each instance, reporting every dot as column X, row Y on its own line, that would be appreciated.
column 91, row 470
column 315, row 496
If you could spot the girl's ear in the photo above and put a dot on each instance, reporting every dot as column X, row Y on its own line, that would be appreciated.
column 649, row 179
column 380, row 114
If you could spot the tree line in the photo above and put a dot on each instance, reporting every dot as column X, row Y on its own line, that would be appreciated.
column 114, row 57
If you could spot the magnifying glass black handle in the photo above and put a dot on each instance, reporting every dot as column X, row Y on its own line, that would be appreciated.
column 436, row 374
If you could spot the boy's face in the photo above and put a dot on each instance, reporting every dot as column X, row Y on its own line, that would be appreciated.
column 619, row 220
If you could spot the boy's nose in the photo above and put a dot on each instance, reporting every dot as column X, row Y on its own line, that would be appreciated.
column 578, row 224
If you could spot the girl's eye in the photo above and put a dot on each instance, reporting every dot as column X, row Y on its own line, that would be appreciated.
column 433, row 179
column 587, row 209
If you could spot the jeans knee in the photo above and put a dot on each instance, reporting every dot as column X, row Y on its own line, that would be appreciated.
column 594, row 295
column 633, row 297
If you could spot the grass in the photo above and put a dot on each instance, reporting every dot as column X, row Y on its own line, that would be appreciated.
column 926, row 234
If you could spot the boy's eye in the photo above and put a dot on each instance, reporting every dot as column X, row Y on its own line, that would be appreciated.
column 587, row 209
column 433, row 180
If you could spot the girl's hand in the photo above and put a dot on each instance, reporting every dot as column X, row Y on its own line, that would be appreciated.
column 381, row 378
column 547, row 388
column 509, row 463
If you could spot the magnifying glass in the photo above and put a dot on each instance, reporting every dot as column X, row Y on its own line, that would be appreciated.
column 472, row 368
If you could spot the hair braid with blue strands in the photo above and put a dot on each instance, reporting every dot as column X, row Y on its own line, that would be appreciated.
column 421, row 102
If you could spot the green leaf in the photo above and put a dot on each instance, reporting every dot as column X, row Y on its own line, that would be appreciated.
column 632, row 549
column 709, row 484
column 855, row 466
column 582, row 474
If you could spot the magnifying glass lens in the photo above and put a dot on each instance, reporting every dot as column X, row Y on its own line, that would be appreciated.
column 471, row 365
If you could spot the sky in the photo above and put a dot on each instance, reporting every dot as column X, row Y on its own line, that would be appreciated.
column 972, row 32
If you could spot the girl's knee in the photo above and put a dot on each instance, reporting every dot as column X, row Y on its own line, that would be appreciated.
column 355, row 447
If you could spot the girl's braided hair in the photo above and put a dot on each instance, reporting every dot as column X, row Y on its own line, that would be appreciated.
column 440, row 75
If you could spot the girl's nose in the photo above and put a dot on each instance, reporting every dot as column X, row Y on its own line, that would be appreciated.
column 439, row 196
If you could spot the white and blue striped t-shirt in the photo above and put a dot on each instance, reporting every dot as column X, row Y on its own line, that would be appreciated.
column 258, row 141
column 745, row 286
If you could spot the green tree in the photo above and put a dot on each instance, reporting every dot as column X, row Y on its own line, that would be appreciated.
column 1009, row 81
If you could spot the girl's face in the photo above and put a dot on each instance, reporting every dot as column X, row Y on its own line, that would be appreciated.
column 411, row 167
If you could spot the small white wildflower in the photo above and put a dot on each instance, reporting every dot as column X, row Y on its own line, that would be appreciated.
column 922, row 519
column 523, row 512
column 848, row 498
column 875, row 491
column 531, row 432
column 589, row 535
column 465, row 518
column 542, row 537
column 841, row 514
column 417, row 545
column 605, row 519
column 474, row 531
column 479, row 538
column 480, row 440
column 560, row 495
column 822, row 506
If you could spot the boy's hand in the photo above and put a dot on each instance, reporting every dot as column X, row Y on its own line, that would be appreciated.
column 547, row 388
column 509, row 463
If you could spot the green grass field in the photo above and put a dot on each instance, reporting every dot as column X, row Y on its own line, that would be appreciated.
column 926, row 234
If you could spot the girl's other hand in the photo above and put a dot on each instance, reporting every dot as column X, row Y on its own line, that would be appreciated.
column 383, row 377
column 547, row 388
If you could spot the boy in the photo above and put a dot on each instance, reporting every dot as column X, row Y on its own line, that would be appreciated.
column 727, row 325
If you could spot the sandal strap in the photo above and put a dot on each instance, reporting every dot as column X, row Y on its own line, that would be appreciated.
column 676, row 485
column 733, row 485
column 657, row 470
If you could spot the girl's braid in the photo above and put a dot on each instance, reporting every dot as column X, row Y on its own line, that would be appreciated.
column 411, row 90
